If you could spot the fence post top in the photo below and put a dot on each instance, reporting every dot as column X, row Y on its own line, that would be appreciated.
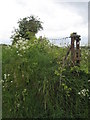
column 74, row 34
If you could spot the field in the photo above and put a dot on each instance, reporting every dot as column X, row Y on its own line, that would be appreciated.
column 35, row 85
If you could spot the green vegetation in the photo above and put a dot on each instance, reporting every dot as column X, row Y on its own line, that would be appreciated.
column 28, row 27
column 36, row 86
column 35, row 82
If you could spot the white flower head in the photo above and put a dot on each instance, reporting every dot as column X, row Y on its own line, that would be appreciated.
column 84, row 92
column 5, row 76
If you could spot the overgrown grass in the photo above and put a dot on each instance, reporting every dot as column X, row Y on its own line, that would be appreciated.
column 36, row 86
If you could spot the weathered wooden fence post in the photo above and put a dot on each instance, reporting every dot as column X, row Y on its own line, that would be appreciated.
column 75, row 52
column 73, row 35
column 78, row 49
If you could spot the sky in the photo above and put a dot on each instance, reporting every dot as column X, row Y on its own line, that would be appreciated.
column 60, row 17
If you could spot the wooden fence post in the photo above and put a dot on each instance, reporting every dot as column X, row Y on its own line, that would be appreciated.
column 73, row 36
column 75, row 52
column 78, row 49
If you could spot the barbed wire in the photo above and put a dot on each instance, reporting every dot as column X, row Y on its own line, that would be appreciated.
column 58, row 38
column 62, row 42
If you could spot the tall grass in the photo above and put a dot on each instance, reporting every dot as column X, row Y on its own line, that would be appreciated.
column 32, row 87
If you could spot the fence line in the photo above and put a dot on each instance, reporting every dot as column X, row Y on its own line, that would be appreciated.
column 61, row 42
column 73, row 48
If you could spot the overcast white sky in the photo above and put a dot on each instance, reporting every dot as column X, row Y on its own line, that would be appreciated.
column 59, row 18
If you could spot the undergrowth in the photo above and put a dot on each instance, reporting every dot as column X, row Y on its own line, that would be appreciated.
column 36, row 86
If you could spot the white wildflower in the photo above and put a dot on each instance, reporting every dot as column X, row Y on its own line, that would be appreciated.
column 24, row 42
column 8, row 75
column 23, row 48
column 27, row 47
column 17, row 51
column 18, row 105
column 86, row 53
column 84, row 92
column 88, row 80
column 16, row 45
column 5, row 76
column 85, row 57
column 25, row 90
column 20, row 55
column 19, row 41
column 79, row 93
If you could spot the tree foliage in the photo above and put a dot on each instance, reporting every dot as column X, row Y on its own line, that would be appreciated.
column 28, row 27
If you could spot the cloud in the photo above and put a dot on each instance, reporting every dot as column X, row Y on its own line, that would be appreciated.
column 59, row 18
column 71, row 1
column 63, row 21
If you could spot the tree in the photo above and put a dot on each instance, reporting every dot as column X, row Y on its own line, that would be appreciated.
column 28, row 27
